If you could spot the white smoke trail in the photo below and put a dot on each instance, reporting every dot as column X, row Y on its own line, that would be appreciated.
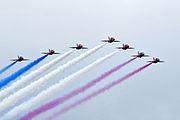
column 14, row 98
column 35, row 101
column 29, row 78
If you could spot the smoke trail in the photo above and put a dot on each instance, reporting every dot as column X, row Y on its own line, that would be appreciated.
column 55, row 88
column 14, row 98
column 15, row 75
column 95, row 93
column 28, row 78
column 62, row 99
column 7, row 67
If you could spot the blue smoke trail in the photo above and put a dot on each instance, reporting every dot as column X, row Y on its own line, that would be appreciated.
column 15, row 75
column 7, row 67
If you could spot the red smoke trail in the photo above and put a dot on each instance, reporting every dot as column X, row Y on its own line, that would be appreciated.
column 101, row 90
column 62, row 99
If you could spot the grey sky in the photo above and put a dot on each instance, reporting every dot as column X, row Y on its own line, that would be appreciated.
column 29, row 27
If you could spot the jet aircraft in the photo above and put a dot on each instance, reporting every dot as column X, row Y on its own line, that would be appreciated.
column 125, row 47
column 140, row 54
column 19, row 59
column 156, row 60
column 79, row 46
column 110, row 40
column 51, row 52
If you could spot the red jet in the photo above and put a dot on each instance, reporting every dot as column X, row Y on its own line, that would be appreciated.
column 125, row 47
column 110, row 40
column 79, row 46
column 140, row 55
column 19, row 59
column 51, row 52
column 156, row 60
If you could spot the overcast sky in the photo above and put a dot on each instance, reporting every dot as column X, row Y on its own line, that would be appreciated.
column 29, row 27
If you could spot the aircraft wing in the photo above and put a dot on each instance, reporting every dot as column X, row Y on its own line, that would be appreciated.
column 44, row 53
column 130, row 48
column 14, row 59
column 116, row 41
column 119, row 47
column 105, row 40
column 146, row 56
column 56, row 53
column 25, row 59
column 72, row 47
column 134, row 55
column 84, row 48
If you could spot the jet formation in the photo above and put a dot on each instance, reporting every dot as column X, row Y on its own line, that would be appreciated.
column 108, row 40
